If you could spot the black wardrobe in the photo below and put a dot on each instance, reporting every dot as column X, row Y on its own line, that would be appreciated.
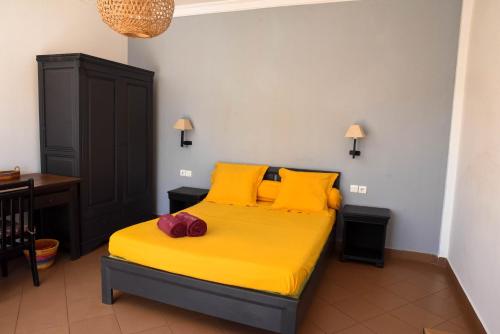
column 96, row 124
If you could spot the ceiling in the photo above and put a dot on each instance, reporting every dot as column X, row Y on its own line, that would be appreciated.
column 199, row 7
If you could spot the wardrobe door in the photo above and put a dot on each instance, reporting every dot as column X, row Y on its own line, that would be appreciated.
column 100, row 192
column 136, row 152
column 59, row 135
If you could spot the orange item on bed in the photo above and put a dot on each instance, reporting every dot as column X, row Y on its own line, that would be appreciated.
column 235, row 183
column 304, row 191
column 268, row 191
column 334, row 199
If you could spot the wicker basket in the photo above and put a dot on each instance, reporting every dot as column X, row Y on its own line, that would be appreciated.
column 8, row 175
column 46, row 251
column 137, row 18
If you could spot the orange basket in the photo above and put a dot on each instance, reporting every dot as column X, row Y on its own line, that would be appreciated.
column 46, row 251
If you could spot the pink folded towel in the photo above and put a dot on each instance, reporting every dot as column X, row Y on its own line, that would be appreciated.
column 196, row 227
column 172, row 226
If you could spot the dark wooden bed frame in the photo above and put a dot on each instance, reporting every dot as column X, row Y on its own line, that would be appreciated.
column 255, row 308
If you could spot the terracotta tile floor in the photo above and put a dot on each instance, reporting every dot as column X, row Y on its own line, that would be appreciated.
column 404, row 297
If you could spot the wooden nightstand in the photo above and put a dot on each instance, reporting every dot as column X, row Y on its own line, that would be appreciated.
column 364, row 233
column 184, row 197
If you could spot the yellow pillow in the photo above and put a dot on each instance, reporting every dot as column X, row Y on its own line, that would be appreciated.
column 235, row 183
column 334, row 199
column 268, row 190
column 303, row 191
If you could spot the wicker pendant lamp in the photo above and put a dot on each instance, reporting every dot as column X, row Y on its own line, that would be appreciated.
column 137, row 18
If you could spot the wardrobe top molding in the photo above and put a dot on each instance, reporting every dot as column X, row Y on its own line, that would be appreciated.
column 77, row 57
column 222, row 6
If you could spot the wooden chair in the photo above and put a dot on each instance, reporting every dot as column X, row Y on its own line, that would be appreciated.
column 17, row 230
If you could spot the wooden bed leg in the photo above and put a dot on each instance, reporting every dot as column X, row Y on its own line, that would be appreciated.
column 107, row 296
column 107, row 291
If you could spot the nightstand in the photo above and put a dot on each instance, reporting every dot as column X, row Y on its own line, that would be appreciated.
column 364, row 233
column 184, row 197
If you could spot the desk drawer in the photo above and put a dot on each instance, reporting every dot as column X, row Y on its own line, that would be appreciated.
column 54, row 199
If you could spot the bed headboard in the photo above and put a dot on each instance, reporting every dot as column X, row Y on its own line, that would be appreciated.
column 272, row 174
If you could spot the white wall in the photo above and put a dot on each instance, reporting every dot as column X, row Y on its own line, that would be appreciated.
column 474, row 252
column 456, row 127
column 31, row 27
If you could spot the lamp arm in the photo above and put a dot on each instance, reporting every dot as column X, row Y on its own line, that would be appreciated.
column 354, row 152
column 185, row 142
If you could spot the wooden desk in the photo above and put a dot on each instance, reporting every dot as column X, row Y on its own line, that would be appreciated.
column 53, row 191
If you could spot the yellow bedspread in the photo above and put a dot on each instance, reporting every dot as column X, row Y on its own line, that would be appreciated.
column 251, row 247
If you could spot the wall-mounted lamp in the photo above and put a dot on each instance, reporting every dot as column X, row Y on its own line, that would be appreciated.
column 355, row 132
column 184, row 124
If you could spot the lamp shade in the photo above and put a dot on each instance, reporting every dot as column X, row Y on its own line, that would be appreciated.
column 355, row 131
column 183, row 124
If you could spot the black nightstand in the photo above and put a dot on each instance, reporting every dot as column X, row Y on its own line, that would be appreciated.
column 364, row 233
column 184, row 197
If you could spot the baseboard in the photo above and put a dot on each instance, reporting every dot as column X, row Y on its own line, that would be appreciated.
column 416, row 256
column 477, row 323
column 407, row 255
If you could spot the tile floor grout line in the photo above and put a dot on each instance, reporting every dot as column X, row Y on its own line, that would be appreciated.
column 144, row 330
column 441, row 323
column 416, row 285
column 66, row 297
column 369, row 318
column 383, row 308
column 412, row 301
column 321, row 329
column 114, row 315
column 456, row 324
column 340, row 330
column 19, row 308
column 430, row 311
column 403, row 320
column 347, row 315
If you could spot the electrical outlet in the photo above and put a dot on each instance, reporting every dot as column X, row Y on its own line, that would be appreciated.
column 354, row 188
column 182, row 172
column 362, row 189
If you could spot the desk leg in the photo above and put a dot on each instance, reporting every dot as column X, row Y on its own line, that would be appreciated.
column 74, row 218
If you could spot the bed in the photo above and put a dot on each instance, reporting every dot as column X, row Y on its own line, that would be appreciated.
column 237, row 272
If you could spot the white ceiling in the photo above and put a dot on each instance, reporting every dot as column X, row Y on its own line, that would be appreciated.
column 186, row 2
column 199, row 7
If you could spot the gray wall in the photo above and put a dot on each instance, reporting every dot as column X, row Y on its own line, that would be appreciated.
column 282, row 85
